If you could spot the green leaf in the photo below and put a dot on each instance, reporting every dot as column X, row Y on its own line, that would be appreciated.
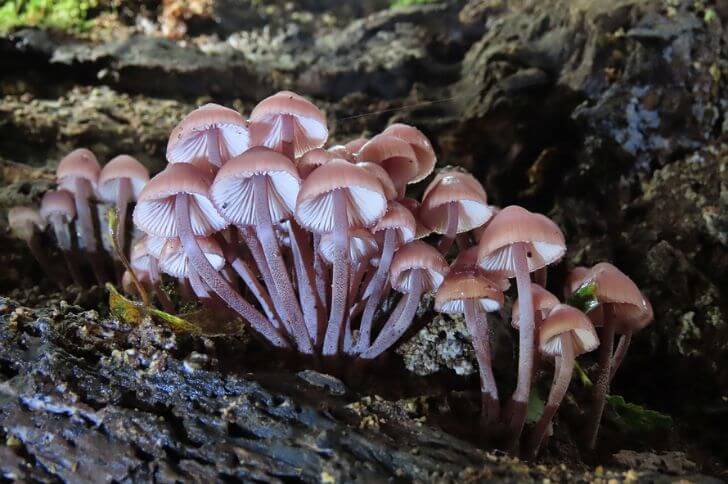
column 584, row 298
column 637, row 418
column 535, row 407
column 583, row 377
column 133, row 313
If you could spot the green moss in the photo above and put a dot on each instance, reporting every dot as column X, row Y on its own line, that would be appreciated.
column 67, row 15
column 407, row 3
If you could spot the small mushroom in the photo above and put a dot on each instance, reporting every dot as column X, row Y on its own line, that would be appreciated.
column 394, row 155
column 26, row 223
column 58, row 209
column 426, row 158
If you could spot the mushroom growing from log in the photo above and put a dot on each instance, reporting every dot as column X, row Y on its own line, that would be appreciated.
column 58, row 209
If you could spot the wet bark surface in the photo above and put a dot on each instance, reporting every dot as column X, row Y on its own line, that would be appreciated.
column 607, row 116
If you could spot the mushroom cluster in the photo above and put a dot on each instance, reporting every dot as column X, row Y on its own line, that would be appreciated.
column 321, row 252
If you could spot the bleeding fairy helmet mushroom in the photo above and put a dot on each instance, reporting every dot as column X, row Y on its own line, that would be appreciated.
column 414, row 207
column 342, row 152
column 362, row 246
column 519, row 242
column 454, row 203
column 121, row 181
column 334, row 198
column 417, row 268
column 259, row 188
column 471, row 293
column 26, row 223
column 58, row 208
column 564, row 335
column 355, row 145
column 468, row 259
column 390, row 191
column 288, row 123
column 426, row 158
column 395, row 155
column 312, row 159
column 174, row 261
column 543, row 302
column 211, row 131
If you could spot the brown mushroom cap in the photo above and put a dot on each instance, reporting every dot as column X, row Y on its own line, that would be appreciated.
column 23, row 221
column 417, row 255
column 615, row 290
column 342, row 152
column 362, row 246
column 79, row 163
column 413, row 206
column 174, row 259
column 122, row 166
column 543, row 302
column 544, row 241
column 366, row 202
column 232, row 192
column 355, row 145
column 390, row 191
column 401, row 220
column 155, row 210
column 468, row 259
column 462, row 189
column 426, row 158
column 312, row 159
column 189, row 138
column 58, row 202
column 575, row 279
column 395, row 155
column 309, row 130
column 566, row 319
column 461, row 286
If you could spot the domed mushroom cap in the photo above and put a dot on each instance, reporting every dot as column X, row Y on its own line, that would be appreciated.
column 309, row 123
column 477, row 232
column 79, row 163
column 576, row 277
column 567, row 321
column 342, row 152
column 395, row 155
column 122, row 166
column 313, row 159
column 399, row 219
column 461, row 189
column 543, row 239
column 23, row 221
column 355, row 145
column 189, row 138
column 619, row 295
column 58, row 202
column 413, row 206
column 543, row 302
column 155, row 211
column 174, row 260
column 365, row 199
column 470, row 285
column 417, row 255
column 362, row 246
column 426, row 158
column 390, row 191
column 233, row 191
column 468, row 260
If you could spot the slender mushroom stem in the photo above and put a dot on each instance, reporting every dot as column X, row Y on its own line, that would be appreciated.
column 287, row 136
column 255, row 287
column 620, row 353
column 400, row 321
column 452, row 228
column 340, row 279
column 303, row 261
column 215, row 281
column 85, row 226
column 477, row 321
column 601, row 386
column 63, row 237
column 213, row 147
column 199, row 287
column 123, row 196
column 563, row 369
column 322, row 279
column 356, row 278
column 274, row 259
column 526, row 334
column 376, row 290
column 40, row 256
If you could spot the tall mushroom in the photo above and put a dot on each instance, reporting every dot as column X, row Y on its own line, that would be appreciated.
column 471, row 293
column 417, row 268
column 564, row 335
column 519, row 242
column 58, row 209
column 176, row 203
column 454, row 203
column 622, row 305
column 78, row 173
column 26, row 223
column 120, row 182
column 259, row 188
column 334, row 198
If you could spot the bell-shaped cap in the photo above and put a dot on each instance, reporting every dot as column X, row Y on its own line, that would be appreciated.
column 395, row 155
column 233, row 191
column 543, row 302
column 469, row 285
column 354, row 146
column 543, row 239
column 362, row 246
column 78, row 164
column 365, row 200
column 421, row 145
column 189, row 139
column 390, row 191
column 58, row 202
column 576, row 277
column 619, row 297
column 313, row 159
column 455, row 187
column 155, row 210
column 399, row 219
column 174, row 260
column 417, row 255
column 468, row 259
column 309, row 123
column 413, row 206
column 342, row 152
column 122, row 166
column 567, row 322
column 23, row 222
